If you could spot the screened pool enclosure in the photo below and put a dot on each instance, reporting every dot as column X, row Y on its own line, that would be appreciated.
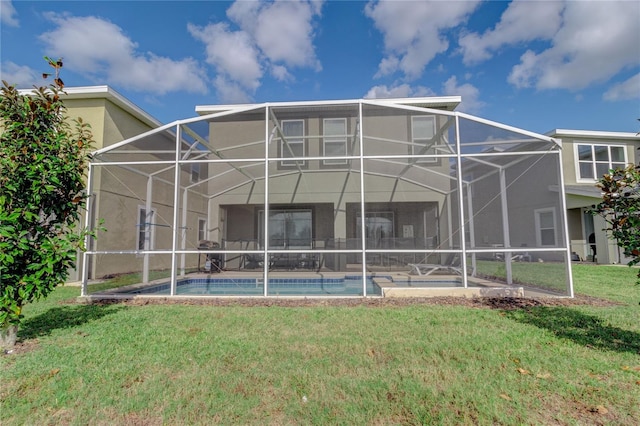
column 329, row 198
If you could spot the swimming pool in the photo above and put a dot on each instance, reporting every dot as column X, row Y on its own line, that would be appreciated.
column 341, row 286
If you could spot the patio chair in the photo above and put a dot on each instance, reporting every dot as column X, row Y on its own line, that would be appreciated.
column 424, row 269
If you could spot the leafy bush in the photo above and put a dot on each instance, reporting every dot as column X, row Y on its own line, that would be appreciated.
column 43, row 159
column 620, row 208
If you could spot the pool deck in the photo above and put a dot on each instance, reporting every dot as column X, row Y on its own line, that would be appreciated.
column 392, row 285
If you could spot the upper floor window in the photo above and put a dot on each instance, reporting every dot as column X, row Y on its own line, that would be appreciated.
column 423, row 130
column 596, row 160
column 335, row 140
column 292, row 144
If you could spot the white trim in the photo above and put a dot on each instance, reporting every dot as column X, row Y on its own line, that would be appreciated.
column 593, row 134
column 537, row 213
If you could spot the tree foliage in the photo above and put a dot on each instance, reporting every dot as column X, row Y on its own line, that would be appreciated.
column 43, row 158
column 620, row 208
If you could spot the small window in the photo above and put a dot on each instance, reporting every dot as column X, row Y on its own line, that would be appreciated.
column 202, row 229
column 195, row 172
column 545, row 220
column 423, row 130
column 335, row 140
column 145, row 236
column 292, row 144
column 596, row 160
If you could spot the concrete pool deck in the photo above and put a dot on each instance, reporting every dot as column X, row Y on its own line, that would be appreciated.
column 391, row 284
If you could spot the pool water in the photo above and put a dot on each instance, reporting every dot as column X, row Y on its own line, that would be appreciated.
column 346, row 286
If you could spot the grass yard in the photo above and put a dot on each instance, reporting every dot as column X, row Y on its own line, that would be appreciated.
column 413, row 364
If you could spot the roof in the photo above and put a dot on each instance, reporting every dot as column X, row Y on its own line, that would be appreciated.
column 106, row 92
column 448, row 103
column 593, row 134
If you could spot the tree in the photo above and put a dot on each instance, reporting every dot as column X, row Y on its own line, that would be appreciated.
column 620, row 208
column 43, row 158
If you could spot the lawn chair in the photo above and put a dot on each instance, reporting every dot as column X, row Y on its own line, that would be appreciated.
column 425, row 269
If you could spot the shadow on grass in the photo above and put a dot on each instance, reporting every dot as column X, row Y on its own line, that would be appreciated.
column 583, row 329
column 63, row 317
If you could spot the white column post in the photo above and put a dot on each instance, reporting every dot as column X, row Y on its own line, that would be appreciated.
column 265, row 253
column 176, row 208
column 89, row 227
column 506, row 238
column 363, row 236
column 463, row 246
column 148, row 217
column 183, row 229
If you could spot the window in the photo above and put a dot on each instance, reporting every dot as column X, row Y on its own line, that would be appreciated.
column 423, row 130
column 292, row 144
column 145, row 236
column 379, row 228
column 335, row 139
column 202, row 229
column 287, row 228
column 596, row 160
column 195, row 172
column 545, row 220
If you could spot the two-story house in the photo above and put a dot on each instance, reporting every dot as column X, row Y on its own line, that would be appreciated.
column 587, row 155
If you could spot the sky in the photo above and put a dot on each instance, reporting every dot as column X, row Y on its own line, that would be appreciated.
column 537, row 65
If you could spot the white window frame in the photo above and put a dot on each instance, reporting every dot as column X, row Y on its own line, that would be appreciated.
column 537, row 213
column 284, row 151
column 142, row 225
column 593, row 160
column 202, row 229
column 334, row 139
column 417, row 142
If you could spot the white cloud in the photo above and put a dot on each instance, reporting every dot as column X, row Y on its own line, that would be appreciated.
column 273, row 36
column 282, row 30
column 397, row 91
column 470, row 94
column 629, row 89
column 232, row 53
column 280, row 72
column 21, row 76
column 595, row 42
column 99, row 49
column 8, row 14
column 522, row 21
column 414, row 31
column 230, row 91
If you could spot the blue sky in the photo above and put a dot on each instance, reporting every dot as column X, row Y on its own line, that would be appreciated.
column 538, row 65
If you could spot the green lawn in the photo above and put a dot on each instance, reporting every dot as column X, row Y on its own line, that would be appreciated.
column 177, row 364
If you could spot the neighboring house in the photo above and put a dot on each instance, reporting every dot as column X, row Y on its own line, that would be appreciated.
column 587, row 155
column 113, row 118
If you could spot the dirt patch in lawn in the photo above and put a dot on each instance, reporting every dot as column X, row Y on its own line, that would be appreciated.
column 505, row 303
